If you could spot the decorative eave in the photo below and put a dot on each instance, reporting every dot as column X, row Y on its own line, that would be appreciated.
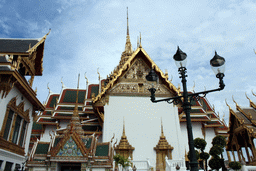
column 42, row 40
column 126, row 65
column 253, row 105
column 24, row 88
column 248, row 116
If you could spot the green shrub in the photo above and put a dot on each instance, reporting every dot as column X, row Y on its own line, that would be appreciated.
column 235, row 165
column 215, row 163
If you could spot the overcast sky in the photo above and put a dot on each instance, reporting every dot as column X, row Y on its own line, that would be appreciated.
column 86, row 35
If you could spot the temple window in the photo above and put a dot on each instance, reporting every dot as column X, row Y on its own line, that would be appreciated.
column 16, row 121
column 8, row 125
column 8, row 166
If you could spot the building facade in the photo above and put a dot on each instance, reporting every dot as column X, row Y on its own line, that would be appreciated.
column 20, row 61
column 242, row 132
column 117, row 113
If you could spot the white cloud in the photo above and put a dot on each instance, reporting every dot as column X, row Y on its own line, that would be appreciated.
column 88, row 35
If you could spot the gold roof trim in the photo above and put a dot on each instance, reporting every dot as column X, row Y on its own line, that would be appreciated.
column 126, row 65
column 32, row 49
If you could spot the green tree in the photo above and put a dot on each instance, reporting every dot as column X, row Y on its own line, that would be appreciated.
column 218, row 142
column 121, row 160
column 197, row 155
column 201, row 144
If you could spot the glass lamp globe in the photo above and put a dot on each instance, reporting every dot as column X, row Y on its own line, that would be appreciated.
column 180, row 58
column 218, row 64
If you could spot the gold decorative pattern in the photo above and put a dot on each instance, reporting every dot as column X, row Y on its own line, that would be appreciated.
column 124, row 148
column 6, row 84
column 127, row 65
column 9, row 146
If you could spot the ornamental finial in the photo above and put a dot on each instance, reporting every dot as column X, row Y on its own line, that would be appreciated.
column 253, row 93
column 227, row 104
column 127, row 23
column 162, row 131
column 247, row 97
column 234, row 100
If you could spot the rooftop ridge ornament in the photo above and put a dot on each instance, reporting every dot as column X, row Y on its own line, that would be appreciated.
column 124, row 136
column 127, row 22
column 50, row 92
column 162, row 131
column 227, row 104
column 63, row 86
column 234, row 100
column 253, row 94
column 247, row 97
column 140, row 46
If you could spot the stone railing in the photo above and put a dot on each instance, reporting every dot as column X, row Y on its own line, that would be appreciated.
column 139, row 164
column 248, row 168
column 173, row 165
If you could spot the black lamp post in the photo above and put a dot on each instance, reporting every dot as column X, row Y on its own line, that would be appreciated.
column 217, row 63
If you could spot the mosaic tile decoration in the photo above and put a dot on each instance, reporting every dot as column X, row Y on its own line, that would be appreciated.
column 70, row 149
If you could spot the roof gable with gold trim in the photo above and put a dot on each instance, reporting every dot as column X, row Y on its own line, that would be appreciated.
column 145, row 64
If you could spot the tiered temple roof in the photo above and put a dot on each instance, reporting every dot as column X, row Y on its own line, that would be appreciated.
column 72, row 144
column 242, row 122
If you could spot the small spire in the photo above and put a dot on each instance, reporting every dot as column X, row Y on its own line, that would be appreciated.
column 140, row 41
column 123, row 129
column 162, row 131
column 75, row 120
column 127, row 23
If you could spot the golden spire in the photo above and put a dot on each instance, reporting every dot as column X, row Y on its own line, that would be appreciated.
column 140, row 41
column 162, row 131
column 123, row 136
column 127, row 23
column 128, row 46
column 75, row 121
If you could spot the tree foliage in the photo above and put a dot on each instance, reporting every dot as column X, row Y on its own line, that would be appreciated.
column 197, row 155
column 235, row 165
column 121, row 160
column 219, row 140
column 200, row 143
column 216, row 150
column 204, row 156
column 215, row 163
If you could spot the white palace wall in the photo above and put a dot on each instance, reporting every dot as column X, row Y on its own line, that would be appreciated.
column 143, row 125
column 197, row 133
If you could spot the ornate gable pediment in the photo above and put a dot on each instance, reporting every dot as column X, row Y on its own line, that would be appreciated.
column 132, row 73
column 70, row 148
column 133, row 81
column 71, row 145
